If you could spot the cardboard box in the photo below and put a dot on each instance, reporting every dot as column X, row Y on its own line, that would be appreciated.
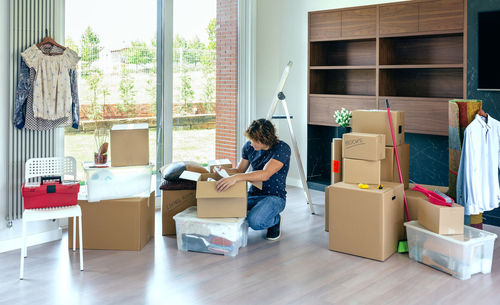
column 210, row 203
column 328, row 189
column 363, row 146
column 223, row 163
column 377, row 121
column 389, row 166
column 120, row 224
column 336, row 160
column 413, row 198
column 366, row 222
column 361, row 171
column 173, row 202
column 129, row 145
column 441, row 219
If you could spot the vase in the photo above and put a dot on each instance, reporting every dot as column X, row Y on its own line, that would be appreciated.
column 339, row 131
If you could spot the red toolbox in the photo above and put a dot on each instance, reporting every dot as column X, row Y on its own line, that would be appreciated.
column 50, row 194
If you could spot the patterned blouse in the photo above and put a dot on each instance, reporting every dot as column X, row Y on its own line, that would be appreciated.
column 52, row 87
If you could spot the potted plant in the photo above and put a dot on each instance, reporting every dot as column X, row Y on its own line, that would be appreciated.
column 343, row 119
column 101, row 146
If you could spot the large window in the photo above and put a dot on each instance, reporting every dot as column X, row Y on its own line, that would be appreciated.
column 116, row 42
column 194, row 80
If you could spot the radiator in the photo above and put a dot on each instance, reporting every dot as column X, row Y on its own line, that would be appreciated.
column 30, row 21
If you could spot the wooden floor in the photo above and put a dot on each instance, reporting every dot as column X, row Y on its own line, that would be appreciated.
column 298, row 269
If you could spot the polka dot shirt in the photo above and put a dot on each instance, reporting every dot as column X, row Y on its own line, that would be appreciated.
column 258, row 159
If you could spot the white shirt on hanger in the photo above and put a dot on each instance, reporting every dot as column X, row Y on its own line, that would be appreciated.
column 478, row 187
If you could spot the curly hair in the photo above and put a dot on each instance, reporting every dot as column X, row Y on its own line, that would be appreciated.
column 262, row 131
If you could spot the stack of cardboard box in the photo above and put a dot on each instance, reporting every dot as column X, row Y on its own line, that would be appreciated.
column 368, row 222
column 125, row 223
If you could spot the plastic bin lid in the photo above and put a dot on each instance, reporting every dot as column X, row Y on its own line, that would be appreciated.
column 471, row 235
column 191, row 215
column 88, row 165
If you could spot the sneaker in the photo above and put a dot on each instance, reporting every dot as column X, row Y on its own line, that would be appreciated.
column 273, row 233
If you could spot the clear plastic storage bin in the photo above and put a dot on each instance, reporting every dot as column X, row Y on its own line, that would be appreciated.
column 210, row 235
column 458, row 255
column 117, row 182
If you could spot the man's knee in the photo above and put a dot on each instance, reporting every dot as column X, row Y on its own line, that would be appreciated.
column 255, row 222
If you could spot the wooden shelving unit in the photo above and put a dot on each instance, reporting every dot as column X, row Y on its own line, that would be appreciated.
column 411, row 53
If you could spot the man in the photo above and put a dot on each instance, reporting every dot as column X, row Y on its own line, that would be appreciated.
column 270, row 160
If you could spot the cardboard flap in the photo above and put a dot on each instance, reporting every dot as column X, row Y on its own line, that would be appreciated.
column 219, row 162
column 192, row 176
column 206, row 189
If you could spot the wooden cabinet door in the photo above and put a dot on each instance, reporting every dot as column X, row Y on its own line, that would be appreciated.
column 324, row 26
column 421, row 116
column 441, row 15
column 400, row 18
column 323, row 107
column 359, row 22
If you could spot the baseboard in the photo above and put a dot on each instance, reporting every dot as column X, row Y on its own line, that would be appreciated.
column 34, row 239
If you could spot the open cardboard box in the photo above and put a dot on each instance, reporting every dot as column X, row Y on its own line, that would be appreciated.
column 210, row 203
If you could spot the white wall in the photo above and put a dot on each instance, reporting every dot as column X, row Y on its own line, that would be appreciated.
column 282, row 36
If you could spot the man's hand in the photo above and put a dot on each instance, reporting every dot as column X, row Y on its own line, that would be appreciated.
column 225, row 183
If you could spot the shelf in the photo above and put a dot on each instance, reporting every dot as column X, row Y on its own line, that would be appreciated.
column 411, row 99
column 341, row 67
column 428, row 66
column 440, row 49
column 433, row 83
column 344, row 96
column 347, row 38
column 360, row 52
column 420, row 34
column 348, row 82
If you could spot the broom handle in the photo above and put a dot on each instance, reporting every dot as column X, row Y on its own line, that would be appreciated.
column 397, row 158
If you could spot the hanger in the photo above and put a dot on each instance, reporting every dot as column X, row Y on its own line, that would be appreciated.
column 482, row 113
column 49, row 40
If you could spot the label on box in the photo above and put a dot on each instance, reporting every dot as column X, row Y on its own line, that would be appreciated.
column 335, row 166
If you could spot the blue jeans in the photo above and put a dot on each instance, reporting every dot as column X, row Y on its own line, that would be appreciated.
column 263, row 211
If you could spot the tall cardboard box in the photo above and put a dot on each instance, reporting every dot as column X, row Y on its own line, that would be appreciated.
column 336, row 160
column 119, row 224
column 441, row 219
column 366, row 222
column 363, row 146
column 389, row 166
column 361, row 171
column 210, row 203
column 173, row 202
column 376, row 121
column 129, row 145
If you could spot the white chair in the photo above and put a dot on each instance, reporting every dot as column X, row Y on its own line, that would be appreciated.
column 34, row 170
